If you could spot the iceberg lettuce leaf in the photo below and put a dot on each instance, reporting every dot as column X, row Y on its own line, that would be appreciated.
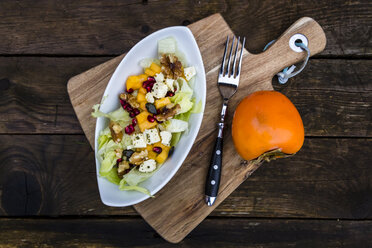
column 102, row 139
column 175, row 139
column 181, row 57
column 185, row 88
column 176, row 125
column 192, row 82
column 107, row 155
column 117, row 115
column 108, row 162
column 167, row 45
column 126, row 141
column 111, row 175
column 197, row 108
column 124, row 186
column 184, row 116
column 185, row 105
column 134, row 177
column 183, row 96
column 146, row 63
column 131, row 180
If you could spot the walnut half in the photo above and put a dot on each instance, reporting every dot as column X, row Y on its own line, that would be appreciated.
column 137, row 158
column 116, row 131
column 129, row 99
column 168, row 113
column 122, row 167
column 171, row 67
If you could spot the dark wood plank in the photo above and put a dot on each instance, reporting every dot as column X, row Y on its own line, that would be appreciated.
column 227, row 232
column 112, row 27
column 55, row 175
column 33, row 94
column 345, row 23
column 333, row 96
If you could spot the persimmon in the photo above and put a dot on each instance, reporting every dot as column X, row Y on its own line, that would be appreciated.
column 266, row 121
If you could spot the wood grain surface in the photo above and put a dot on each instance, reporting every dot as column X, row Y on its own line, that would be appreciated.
column 229, row 232
column 44, row 175
column 182, row 197
column 44, row 43
column 112, row 27
column 34, row 99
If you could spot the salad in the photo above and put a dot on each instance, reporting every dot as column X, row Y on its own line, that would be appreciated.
column 154, row 111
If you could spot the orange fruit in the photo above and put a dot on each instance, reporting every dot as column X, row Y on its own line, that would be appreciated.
column 266, row 121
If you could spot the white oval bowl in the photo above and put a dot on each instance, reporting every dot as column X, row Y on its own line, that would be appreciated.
column 147, row 48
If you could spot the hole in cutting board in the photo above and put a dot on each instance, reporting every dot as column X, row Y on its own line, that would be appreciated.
column 300, row 38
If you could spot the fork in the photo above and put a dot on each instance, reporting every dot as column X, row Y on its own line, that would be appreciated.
column 228, row 82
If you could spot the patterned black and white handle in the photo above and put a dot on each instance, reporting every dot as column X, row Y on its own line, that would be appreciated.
column 215, row 168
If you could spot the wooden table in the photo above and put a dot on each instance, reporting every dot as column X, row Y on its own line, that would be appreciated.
column 48, row 190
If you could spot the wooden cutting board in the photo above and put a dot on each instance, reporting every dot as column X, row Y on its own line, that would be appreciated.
column 179, row 207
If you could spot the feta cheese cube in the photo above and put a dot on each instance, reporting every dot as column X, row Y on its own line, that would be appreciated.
column 159, row 77
column 148, row 166
column 169, row 82
column 138, row 140
column 151, row 136
column 189, row 72
column 159, row 90
column 165, row 137
column 149, row 97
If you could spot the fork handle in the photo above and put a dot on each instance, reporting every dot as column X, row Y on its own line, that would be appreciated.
column 214, row 172
column 215, row 168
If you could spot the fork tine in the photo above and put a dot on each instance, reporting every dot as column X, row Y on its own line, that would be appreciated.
column 236, row 50
column 240, row 59
column 224, row 56
column 229, row 60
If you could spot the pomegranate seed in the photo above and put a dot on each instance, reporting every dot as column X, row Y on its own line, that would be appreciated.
column 175, row 89
column 126, row 106
column 145, row 84
column 151, row 79
column 157, row 149
column 134, row 122
column 170, row 93
column 130, row 109
column 119, row 160
column 129, row 129
column 150, row 118
column 148, row 85
column 132, row 114
column 122, row 102
column 136, row 111
column 130, row 90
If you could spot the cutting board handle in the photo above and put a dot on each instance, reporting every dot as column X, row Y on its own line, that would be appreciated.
column 280, row 55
